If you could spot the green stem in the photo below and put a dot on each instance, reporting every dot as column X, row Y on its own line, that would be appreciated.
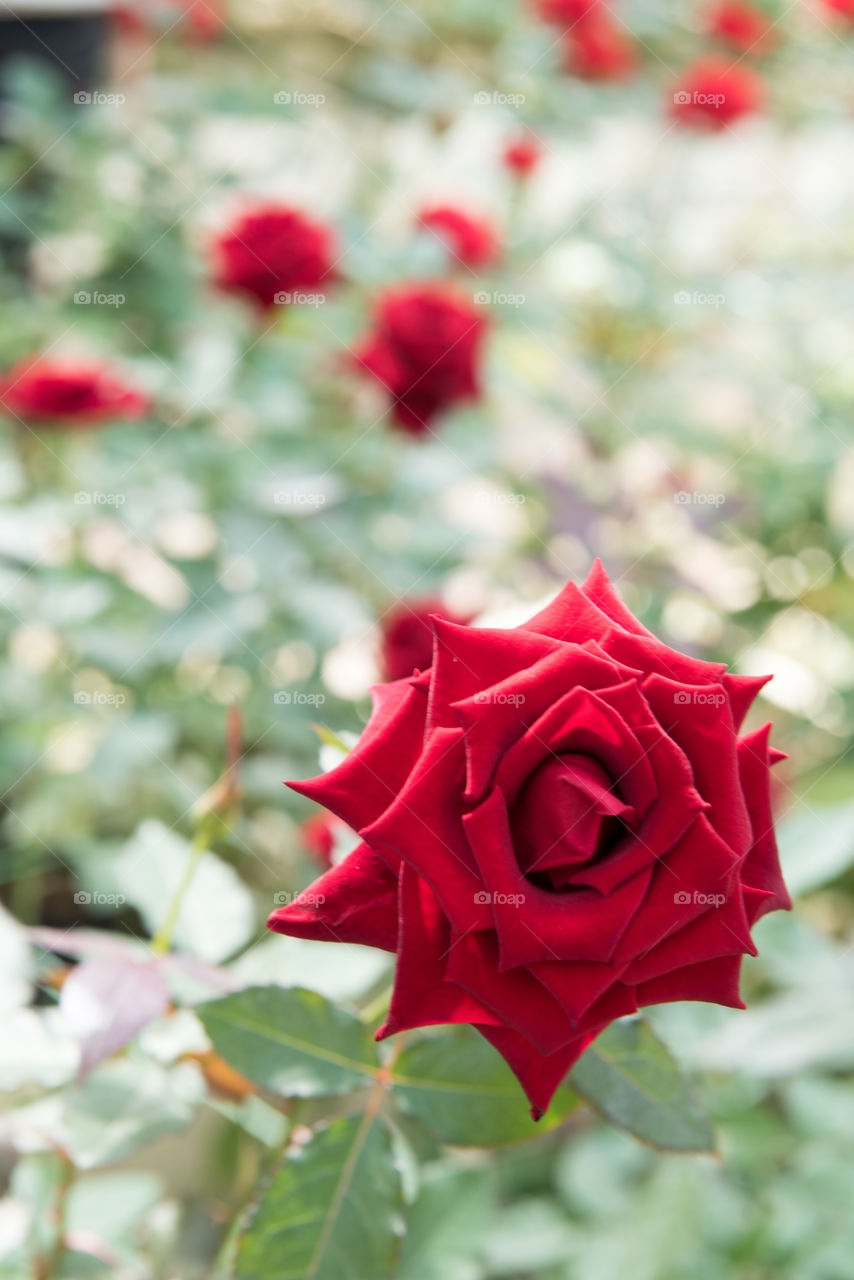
column 48, row 1265
column 163, row 938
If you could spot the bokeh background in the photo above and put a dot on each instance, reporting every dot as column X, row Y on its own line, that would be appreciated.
column 212, row 583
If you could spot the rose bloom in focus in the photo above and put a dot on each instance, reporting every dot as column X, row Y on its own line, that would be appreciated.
column 425, row 349
column 560, row 823
column 64, row 393
column 472, row 241
column 599, row 49
column 713, row 92
column 271, row 252
column 743, row 27
column 407, row 635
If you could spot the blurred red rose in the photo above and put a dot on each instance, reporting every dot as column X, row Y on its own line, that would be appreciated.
column 566, row 13
column 599, row 49
column 522, row 156
column 65, row 393
column 843, row 7
column 472, row 241
column 407, row 635
column 742, row 26
column 198, row 21
column 273, row 253
column 560, row 823
column 318, row 837
column 425, row 348
column 713, row 92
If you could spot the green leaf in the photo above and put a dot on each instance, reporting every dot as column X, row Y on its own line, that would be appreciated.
column 448, row 1225
column 291, row 1041
column 465, row 1093
column 630, row 1078
column 329, row 1212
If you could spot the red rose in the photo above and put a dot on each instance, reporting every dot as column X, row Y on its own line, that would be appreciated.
column 560, row 823
column 273, row 252
column 566, row 13
column 407, row 635
column 64, row 393
column 714, row 92
column 742, row 26
column 471, row 241
column 522, row 156
column 598, row 49
column 425, row 349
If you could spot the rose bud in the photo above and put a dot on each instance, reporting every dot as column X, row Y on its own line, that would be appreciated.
column 522, row 156
column 64, row 393
column 713, row 93
column 407, row 635
column 471, row 241
column 273, row 254
column 560, row 823
column 425, row 348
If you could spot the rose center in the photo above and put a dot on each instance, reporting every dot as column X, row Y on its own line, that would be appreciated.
column 566, row 816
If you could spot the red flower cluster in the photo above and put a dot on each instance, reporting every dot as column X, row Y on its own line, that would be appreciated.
column 424, row 347
column 273, row 254
column 560, row 823
column 472, row 241
column 407, row 635
column 64, row 393
column 713, row 92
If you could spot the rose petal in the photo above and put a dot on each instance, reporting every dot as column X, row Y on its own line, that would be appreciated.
column 355, row 901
